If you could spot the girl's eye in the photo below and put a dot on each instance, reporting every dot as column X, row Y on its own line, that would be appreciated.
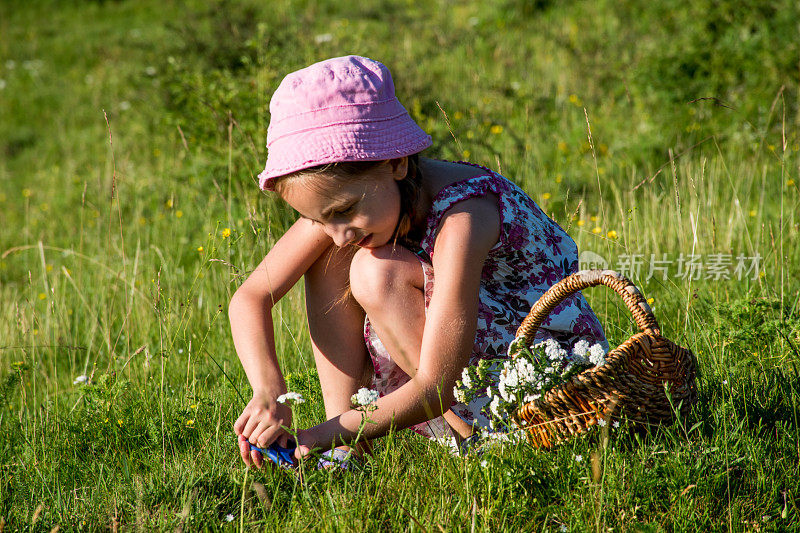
column 345, row 211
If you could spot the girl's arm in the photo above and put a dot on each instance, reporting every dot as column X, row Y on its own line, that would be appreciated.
column 250, row 313
column 466, row 234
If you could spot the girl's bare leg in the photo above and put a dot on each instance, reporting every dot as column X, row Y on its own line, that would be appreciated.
column 388, row 283
column 336, row 324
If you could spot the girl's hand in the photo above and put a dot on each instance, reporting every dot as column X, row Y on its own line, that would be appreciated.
column 261, row 423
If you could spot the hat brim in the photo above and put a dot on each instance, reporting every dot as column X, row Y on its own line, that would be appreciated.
column 366, row 141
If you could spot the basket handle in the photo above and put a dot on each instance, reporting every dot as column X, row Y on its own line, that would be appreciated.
column 580, row 280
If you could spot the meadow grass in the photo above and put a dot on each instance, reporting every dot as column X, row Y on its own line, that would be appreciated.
column 131, row 134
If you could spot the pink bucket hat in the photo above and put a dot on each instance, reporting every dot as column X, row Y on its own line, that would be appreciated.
column 341, row 109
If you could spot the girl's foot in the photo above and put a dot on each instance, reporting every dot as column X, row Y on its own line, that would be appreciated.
column 338, row 459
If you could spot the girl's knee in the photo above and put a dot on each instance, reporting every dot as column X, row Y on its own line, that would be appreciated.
column 377, row 273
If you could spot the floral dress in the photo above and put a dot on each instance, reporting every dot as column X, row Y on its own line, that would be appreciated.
column 531, row 255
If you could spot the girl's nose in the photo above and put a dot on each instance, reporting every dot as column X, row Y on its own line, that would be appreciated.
column 341, row 234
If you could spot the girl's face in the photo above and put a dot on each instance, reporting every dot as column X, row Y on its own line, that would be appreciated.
column 363, row 211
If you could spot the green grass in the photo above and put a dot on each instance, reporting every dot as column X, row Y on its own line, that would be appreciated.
column 694, row 148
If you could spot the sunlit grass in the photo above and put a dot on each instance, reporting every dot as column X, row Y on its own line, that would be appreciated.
column 130, row 289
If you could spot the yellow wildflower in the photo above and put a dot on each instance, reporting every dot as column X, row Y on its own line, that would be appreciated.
column 465, row 154
column 559, row 178
column 593, row 218
column 496, row 129
column 611, row 234
column 581, row 222
column 562, row 146
column 190, row 423
column 546, row 196
column 597, row 229
column 179, row 213
column 226, row 233
column 573, row 99
column 753, row 212
column 49, row 268
column 200, row 249
column 42, row 296
column 651, row 300
column 168, row 204
column 26, row 193
column 458, row 115
column 119, row 422
column 789, row 183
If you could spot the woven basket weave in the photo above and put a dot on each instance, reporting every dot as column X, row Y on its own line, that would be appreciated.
column 633, row 383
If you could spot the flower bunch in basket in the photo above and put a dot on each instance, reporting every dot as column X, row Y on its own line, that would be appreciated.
column 527, row 374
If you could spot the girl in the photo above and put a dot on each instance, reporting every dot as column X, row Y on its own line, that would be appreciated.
column 377, row 222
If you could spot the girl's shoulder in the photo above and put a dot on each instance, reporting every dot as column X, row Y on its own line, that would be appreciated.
column 443, row 175
column 457, row 182
column 455, row 179
column 481, row 187
column 458, row 187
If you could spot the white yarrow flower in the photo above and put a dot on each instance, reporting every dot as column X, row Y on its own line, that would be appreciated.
column 580, row 351
column 80, row 379
column 601, row 422
column 501, row 388
column 495, row 406
column 578, row 458
column 459, row 395
column 365, row 396
column 229, row 518
column 597, row 355
column 552, row 349
column 466, row 379
column 291, row 397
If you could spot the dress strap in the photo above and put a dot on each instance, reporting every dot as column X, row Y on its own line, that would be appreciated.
column 418, row 251
column 459, row 191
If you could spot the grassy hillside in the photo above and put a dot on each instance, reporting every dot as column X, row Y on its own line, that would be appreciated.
column 130, row 137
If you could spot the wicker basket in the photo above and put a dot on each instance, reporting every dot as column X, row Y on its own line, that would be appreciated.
column 632, row 383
